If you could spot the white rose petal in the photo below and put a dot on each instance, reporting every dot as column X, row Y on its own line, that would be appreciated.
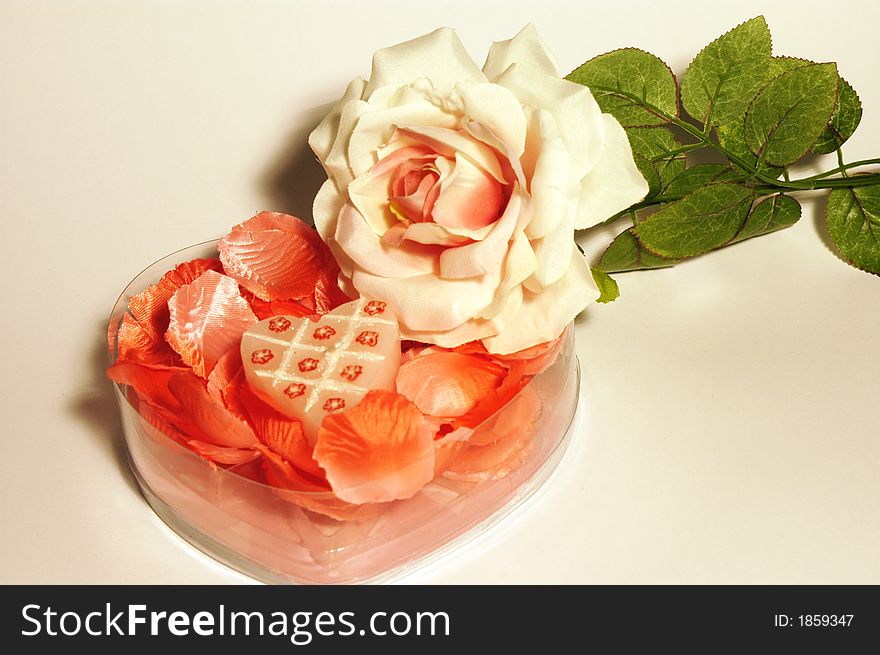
column 526, row 48
column 614, row 183
column 439, row 56
column 543, row 316
column 577, row 115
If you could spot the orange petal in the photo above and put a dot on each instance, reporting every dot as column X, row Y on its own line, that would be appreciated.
column 328, row 296
column 275, row 256
column 380, row 450
column 221, row 376
column 298, row 489
column 448, row 384
column 216, row 424
column 495, row 399
column 502, row 444
column 222, row 454
column 266, row 309
column 280, row 434
column 208, row 317
column 537, row 358
column 150, row 382
column 134, row 343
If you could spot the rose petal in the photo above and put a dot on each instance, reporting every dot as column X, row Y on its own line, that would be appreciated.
column 536, row 359
column 526, row 48
column 439, row 56
column 221, row 376
column 614, row 183
column 140, row 336
column 468, row 198
column 453, row 143
column 208, row 318
column 296, row 488
column 266, row 309
column 448, row 384
column 366, row 249
column 275, row 256
column 571, row 105
column 554, row 188
column 150, row 382
column 215, row 423
column 380, row 450
column 484, row 256
column 377, row 128
column 134, row 343
column 425, row 302
column 150, row 308
column 279, row 433
column 497, row 110
column 325, row 138
column 543, row 316
column 222, row 454
column 502, row 445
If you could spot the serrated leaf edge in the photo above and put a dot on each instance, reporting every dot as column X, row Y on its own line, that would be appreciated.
column 634, row 49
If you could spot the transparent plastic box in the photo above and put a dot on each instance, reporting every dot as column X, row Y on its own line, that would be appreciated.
column 264, row 532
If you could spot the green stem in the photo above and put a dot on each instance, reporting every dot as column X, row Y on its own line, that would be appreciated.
column 840, row 163
column 680, row 151
column 805, row 184
column 843, row 168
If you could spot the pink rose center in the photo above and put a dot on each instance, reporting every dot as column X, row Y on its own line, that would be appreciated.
column 426, row 186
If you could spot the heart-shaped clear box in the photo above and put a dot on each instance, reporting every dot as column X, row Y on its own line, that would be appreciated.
column 252, row 528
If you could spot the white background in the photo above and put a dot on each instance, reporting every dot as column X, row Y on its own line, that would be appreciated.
column 730, row 427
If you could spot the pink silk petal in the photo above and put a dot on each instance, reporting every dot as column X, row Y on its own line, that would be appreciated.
column 215, row 423
column 208, row 317
column 150, row 308
column 399, row 157
column 469, row 199
column 448, row 384
column 275, row 256
column 378, row 451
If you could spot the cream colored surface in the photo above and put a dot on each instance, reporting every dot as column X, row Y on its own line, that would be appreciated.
column 730, row 427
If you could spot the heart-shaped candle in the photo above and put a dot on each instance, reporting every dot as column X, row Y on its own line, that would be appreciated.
column 307, row 369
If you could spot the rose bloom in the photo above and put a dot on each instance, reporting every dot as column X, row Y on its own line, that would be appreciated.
column 453, row 192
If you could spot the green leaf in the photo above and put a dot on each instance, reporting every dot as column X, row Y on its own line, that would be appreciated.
column 846, row 118
column 625, row 253
column 769, row 215
column 724, row 77
column 608, row 290
column 731, row 138
column 632, row 85
column 786, row 118
column 847, row 111
column 652, row 142
column 654, row 151
column 780, row 65
column 706, row 219
column 697, row 176
column 853, row 220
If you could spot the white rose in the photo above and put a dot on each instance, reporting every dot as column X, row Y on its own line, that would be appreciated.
column 454, row 192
